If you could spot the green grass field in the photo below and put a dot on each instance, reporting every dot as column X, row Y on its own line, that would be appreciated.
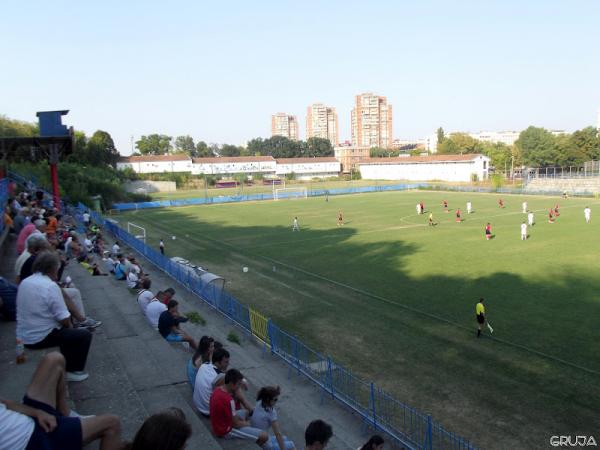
column 394, row 299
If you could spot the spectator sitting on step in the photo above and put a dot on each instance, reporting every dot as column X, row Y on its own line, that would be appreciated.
column 120, row 268
column 317, row 435
column 168, row 325
column 168, row 294
column 166, row 430
column 43, row 319
column 116, row 249
column 44, row 419
column 136, row 267
column 92, row 267
column 37, row 243
column 203, row 354
column 27, row 231
column 208, row 377
column 153, row 311
column 20, row 220
column 71, row 295
column 226, row 424
column 145, row 295
column 132, row 280
column 265, row 417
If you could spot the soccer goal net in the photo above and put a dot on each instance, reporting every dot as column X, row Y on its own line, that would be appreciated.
column 137, row 231
column 286, row 193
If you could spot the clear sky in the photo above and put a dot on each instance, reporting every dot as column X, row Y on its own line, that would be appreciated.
column 218, row 70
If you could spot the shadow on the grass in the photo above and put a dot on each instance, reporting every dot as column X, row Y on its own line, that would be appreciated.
column 416, row 336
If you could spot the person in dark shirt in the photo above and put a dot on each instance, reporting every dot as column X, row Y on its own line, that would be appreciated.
column 168, row 325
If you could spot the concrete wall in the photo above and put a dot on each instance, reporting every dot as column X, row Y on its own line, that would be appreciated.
column 146, row 187
column 157, row 166
column 319, row 169
column 445, row 171
column 234, row 167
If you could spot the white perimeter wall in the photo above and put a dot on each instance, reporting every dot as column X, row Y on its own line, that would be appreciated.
column 236, row 167
column 157, row 166
column 310, row 170
column 445, row 171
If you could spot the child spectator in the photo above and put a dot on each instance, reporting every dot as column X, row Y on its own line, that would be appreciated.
column 265, row 417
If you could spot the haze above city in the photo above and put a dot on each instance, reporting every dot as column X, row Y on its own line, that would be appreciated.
column 219, row 71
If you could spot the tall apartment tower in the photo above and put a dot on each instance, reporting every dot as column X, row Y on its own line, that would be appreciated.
column 322, row 122
column 284, row 125
column 372, row 121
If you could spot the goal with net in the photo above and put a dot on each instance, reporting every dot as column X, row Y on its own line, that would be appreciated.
column 137, row 231
column 290, row 193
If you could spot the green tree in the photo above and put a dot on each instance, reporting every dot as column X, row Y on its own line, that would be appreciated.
column 538, row 147
column 316, row 146
column 185, row 144
column 229, row 150
column 202, row 150
column 17, row 128
column 101, row 150
column 154, row 144
column 500, row 155
column 440, row 135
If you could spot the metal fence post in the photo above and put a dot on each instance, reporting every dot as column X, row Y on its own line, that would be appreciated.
column 429, row 432
column 270, row 333
column 330, row 376
column 373, row 406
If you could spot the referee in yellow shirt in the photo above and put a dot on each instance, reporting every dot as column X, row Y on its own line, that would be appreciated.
column 480, row 314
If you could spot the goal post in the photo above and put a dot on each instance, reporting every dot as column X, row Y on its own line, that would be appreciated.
column 137, row 231
column 290, row 193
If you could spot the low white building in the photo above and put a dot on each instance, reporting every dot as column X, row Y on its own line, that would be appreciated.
column 156, row 163
column 426, row 168
column 234, row 164
column 307, row 168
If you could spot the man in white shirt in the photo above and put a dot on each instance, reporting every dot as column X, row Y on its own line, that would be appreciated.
column 208, row 378
column 530, row 218
column 469, row 207
column 86, row 218
column 153, row 312
column 37, row 243
column 132, row 280
column 116, row 250
column 145, row 296
column 43, row 319
column 587, row 212
column 44, row 419
column 524, row 206
column 523, row 231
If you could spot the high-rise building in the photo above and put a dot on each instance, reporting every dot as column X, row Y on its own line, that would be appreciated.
column 284, row 125
column 322, row 122
column 372, row 121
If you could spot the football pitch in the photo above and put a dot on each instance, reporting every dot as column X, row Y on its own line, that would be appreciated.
column 393, row 298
